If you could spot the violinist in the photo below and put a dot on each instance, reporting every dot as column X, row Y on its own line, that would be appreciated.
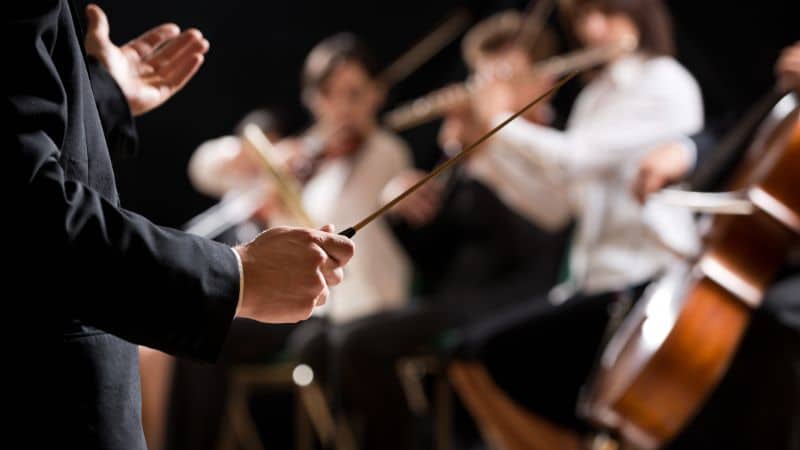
column 473, row 254
column 635, row 101
column 765, row 373
column 343, row 162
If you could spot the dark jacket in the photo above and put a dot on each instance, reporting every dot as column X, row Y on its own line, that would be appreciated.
column 108, row 277
column 477, row 255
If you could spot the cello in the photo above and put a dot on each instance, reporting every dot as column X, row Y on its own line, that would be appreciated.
column 673, row 348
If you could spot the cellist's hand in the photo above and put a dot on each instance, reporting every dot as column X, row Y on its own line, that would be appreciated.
column 788, row 68
column 151, row 68
column 661, row 167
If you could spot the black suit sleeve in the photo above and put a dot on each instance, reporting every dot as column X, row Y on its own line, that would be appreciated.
column 115, row 115
column 112, row 269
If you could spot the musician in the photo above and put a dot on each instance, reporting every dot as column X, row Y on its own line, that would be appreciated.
column 114, row 278
column 764, row 377
column 467, row 264
column 355, row 159
column 635, row 101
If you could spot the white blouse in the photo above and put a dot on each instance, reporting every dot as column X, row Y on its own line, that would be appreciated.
column 633, row 105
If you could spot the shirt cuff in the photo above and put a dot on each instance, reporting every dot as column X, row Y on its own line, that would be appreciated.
column 690, row 151
column 241, row 281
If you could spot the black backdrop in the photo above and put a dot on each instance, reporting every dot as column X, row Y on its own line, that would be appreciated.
column 257, row 48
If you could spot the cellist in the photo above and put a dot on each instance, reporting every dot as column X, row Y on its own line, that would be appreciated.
column 764, row 376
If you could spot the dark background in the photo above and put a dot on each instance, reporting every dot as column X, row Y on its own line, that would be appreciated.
column 257, row 48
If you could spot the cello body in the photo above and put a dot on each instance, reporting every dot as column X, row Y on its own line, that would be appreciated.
column 677, row 342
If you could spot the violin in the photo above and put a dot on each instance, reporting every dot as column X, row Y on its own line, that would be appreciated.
column 312, row 149
column 676, row 344
column 315, row 148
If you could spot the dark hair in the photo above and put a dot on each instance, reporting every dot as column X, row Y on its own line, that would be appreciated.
column 650, row 17
column 266, row 119
column 329, row 54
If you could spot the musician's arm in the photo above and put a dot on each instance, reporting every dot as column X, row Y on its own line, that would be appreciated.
column 526, row 185
column 665, row 105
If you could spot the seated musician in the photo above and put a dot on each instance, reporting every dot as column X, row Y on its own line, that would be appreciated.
column 764, row 377
column 473, row 255
column 541, row 352
column 352, row 164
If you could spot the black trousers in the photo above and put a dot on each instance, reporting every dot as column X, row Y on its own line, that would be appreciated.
column 541, row 353
column 366, row 355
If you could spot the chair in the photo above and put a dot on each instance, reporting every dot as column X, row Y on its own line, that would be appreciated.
column 411, row 372
column 312, row 413
column 503, row 423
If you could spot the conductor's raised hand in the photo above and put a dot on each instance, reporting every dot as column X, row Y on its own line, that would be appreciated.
column 151, row 68
column 288, row 271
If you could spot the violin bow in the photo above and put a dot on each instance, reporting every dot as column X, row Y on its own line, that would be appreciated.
column 421, row 52
column 351, row 231
column 288, row 189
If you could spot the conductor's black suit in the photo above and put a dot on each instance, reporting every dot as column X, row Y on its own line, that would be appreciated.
column 109, row 277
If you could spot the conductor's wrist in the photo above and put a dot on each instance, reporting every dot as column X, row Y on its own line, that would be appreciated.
column 239, row 252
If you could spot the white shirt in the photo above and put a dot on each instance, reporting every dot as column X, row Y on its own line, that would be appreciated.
column 343, row 192
column 633, row 105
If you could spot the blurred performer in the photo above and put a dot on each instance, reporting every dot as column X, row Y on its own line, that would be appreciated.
column 117, row 278
column 764, row 377
column 635, row 101
column 473, row 254
column 357, row 159
column 344, row 161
